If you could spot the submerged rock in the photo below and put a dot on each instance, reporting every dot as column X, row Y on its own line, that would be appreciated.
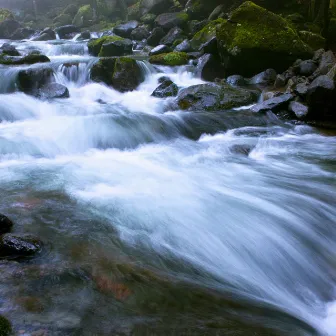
column 214, row 97
column 171, row 59
column 15, row 246
column 166, row 89
column 5, row 327
column 53, row 90
column 5, row 224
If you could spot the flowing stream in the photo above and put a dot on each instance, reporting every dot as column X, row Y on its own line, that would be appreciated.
column 158, row 222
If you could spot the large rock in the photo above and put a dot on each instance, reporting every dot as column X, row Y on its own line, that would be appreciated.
column 166, row 89
column 117, row 48
column 53, row 90
column 46, row 34
column 184, row 46
column 155, row 6
column 327, row 61
column 95, row 45
column 62, row 20
column 156, row 36
column 209, row 68
column 5, row 224
column 298, row 109
column 9, row 50
column 201, row 9
column 315, row 41
column 264, row 78
column 123, row 74
column 14, row 246
column 28, row 59
column 22, row 34
column 213, row 97
column 140, row 33
column 170, row 20
column 306, row 68
column 5, row 327
column 254, row 39
column 85, row 16
column 275, row 104
column 66, row 32
column 31, row 80
column 173, row 35
column 8, row 27
column 125, row 29
column 171, row 59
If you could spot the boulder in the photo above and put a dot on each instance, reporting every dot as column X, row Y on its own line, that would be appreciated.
column 208, row 68
column 301, row 89
column 85, row 35
column 123, row 74
column 28, row 59
column 327, row 61
column 155, row 37
column 184, row 46
column 306, row 68
column 67, row 32
column 168, row 21
column 148, row 19
column 166, row 89
column 9, row 50
column 264, row 78
column 263, row 38
column 7, row 27
column 171, row 59
column 125, row 29
column 62, row 20
column 300, row 110
column 275, row 104
column 236, row 80
column 22, row 34
column 5, row 327
column 155, row 6
column 95, row 45
column 280, row 81
column 31, row 80
column 195, row 26
column 121, row 47
column 173, row 35
column 214, row 97
column 160, row 49
column 140, row 33
column 315, row 41
column 200, row 9
column 15, row 246
column 5, row 224
column 85, row 16
column 53, row 90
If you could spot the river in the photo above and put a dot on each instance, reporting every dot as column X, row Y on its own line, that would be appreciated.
column 160, row 222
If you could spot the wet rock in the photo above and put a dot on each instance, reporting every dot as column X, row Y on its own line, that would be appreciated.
column 5, row 224
column 85, row 35
column 280, row 81
column 125, row 29
column 28, row 59
column 275, row 104
column 22, row 34
column 171, row 59
column 67, row 32
column 166, row 89
column 264, row 78
column 300, row 110
column 173, row 35
column 327, row 61
column 168, row 21
column 160, row 49
column 31, row 80
column 95, row 45
column 195, row 26
column 15, row 246
column 117, row 48
column 241, row 149
column 53, row 90
column 155, row 37
column 236, row 80
column 46, row 34
column 7, row 27
column 155, row 6
column 5, row 327
column 184, row 46
column 209, row 68
column 301, row 89
column 9, row 50
column 140, row 33
column 123, row 74
column 306, row 68
column 206, row 37
column 213, row 97
column 210, row 46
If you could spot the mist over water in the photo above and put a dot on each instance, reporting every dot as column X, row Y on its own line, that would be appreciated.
column 128, row 193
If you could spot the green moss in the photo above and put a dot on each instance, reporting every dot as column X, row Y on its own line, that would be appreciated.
column 171, row 59
column 205, row 34
column 83, row 16
column 5, row 327
column 315, row 41
column 95, row 45
column 177, row 42
column 70, row 10
column 62, row 20
column 134, row 11
column 183, row 16
column 5, row 14
column 148, row 18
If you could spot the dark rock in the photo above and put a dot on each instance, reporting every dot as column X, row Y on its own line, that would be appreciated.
column 327, row 62
column 5, row 327
column 168, row 21
column 194, row 55
column 213, row 97
column 195, row 26
column 216, row 12
column 163, row 79
column 275, row 104
column 53, row 90
column 31, row 80
column 148, row 18
column 206, row 38
column 155, row 6
column 123, row 74
column 28, row 59
column 318, row 55
column 140, row 33
column 5, row 224
column 68, row 31
column 236, row 80
column 301, row 89
column 241, row 149
column 7, row 27
column 264, row 78
column 95, row 45
column 173, row 35
column 166, row 89
column 307, row 68
column 117, row 48
column 280, row 81
column 184, row 46
column 22, row 34
column 42, row 37
column 160, row 49
column 300, row 110
column 209, row 68
column 155, row 37
column 85, row 35
column 15, row 246
column 210, row 46
column 9, row 50
column 125, row 29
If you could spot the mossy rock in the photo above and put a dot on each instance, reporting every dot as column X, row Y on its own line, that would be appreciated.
column 148, row 18
column 134, row 11
column 29, row 59
column 5, row 327
column 84, row 16
column 62, row 20
column 171, row 59
column 315, row 41
column 70, row 10
column 95, row 45
column 5, row 14
column 255, row 39
column 205, row 34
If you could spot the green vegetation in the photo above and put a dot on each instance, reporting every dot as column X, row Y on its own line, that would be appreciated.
column 5, row 327
column 315, row 41
column 95, row 45
column 205, row 34
column 5, row 14
column 172, row 58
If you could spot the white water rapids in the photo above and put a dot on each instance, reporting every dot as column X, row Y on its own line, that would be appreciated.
column 260, row 227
